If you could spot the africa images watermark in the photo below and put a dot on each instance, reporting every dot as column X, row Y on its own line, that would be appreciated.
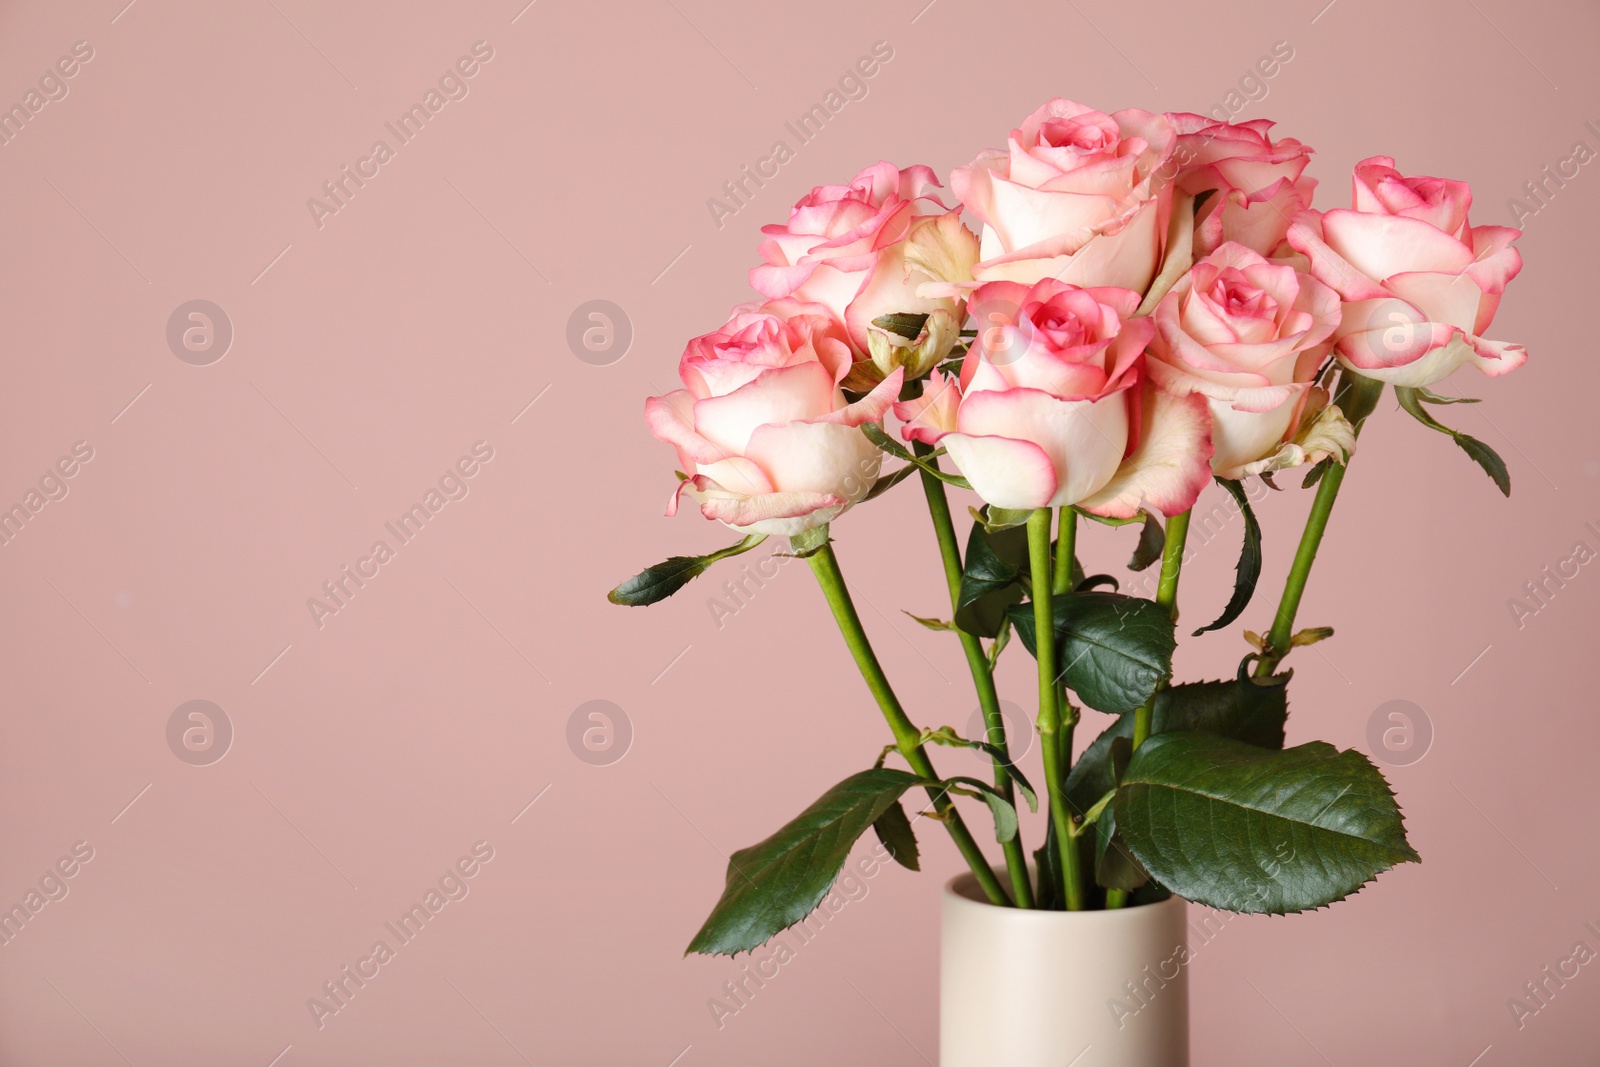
column 53, row 486
column 1538, row 593
column 454, row 484
column 51, row 888
column 851, row 86
column 339, row 991
column 52, row 88
column 1542, row 190
column 452, row 86
column 1551, row 980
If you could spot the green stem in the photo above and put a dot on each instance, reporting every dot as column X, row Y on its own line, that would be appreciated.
column 1044, row 639
column 1167, row 597
column 1357, row 397
column 1066, row 546
column 982, row 677
column 906, row 735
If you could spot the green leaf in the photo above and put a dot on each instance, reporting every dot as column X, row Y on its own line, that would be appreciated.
column 1248, row 570
column 1245, row 709
column 907, row 326
column 875, row 434
column 774, row 884
column 1094, row 581
column 946, row 735
column 667, row 577
column 932, row 624
column 996, row 519
column 1428, row 396
column 998, row 645
column 992, row 578
column 1246, row 829
column 1314, row 475
column 809, row 542
column 1111, row 649
column 887, row 482
column 894, row 830
column 885, row 443
column 1481, row 454
column 1152, row 542
column 1004, row 812
column 1115, row 866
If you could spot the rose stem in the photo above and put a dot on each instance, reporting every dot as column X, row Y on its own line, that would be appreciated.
column 1061, row 585
column 1167, row 597
column 1044, row 641
column 1357, row 397
column 978, row 663
column 907, row 737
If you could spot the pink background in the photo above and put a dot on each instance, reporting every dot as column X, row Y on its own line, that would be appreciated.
column 372, row 752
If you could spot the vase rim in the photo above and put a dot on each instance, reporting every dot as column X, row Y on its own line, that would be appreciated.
column 962, row 891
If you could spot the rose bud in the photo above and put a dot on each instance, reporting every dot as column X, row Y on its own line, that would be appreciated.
column 764, row 433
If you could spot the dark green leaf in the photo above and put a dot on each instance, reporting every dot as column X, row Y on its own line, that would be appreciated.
column 1314, row 475
column 774, row 884
column 894, row 830
column 1111, row 649
column 661, row 581
column 1482, row 454
column 1244, row 709
column 1152, row 541
column 1115, row 866
column 1488, row 459
column 1248, row 570
column 1095, row 580
column 907, row 326
column 1246, row 829
column 992, row 579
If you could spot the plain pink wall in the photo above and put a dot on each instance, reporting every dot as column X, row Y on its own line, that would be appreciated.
column 371, row 352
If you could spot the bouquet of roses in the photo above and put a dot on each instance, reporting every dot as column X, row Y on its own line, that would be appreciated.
column 1150, row 304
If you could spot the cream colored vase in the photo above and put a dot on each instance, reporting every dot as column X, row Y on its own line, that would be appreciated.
column 1022, row 988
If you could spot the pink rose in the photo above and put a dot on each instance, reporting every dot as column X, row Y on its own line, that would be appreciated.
column 1420, row 284
column 861, row 250
column 1258, row 183
column 1248, row 335
column 761, row 426
column 1079, row 195
column 1048, row 402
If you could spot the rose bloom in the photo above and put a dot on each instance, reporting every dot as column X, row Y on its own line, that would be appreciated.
column 1049, row 405
column 1420, row 284
column 762, row 429
column 1258, row 184
column 1249, row 335
column 861, row 250
column 1078, row 195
